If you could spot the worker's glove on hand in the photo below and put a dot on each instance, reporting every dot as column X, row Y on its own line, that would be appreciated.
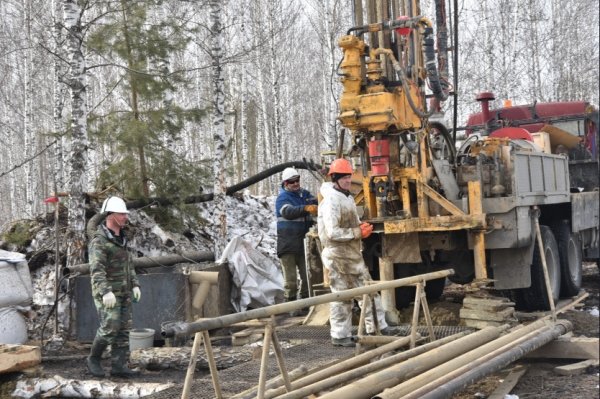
column 312, row 209
column 109, row 300
column 137, row 294
column 365, row 229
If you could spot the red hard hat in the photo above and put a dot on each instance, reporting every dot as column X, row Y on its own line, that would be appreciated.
column 341, row 166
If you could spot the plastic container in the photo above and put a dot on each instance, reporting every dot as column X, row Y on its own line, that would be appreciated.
column 140, row 338
column 13, row 329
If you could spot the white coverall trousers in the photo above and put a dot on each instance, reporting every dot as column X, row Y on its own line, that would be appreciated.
column 340, row 316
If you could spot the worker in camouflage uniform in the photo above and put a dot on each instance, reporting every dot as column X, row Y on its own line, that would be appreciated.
column 114, row 285
column 340, row 232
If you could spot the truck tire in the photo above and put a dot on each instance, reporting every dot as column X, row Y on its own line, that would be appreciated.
column 536, row 297
column 569, row 250
column 406, row 295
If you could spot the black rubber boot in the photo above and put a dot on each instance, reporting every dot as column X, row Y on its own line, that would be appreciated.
column 119, row 368
column 93, row 361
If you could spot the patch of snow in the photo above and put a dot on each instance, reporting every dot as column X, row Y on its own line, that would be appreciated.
column 511, row 396
column 594, row 311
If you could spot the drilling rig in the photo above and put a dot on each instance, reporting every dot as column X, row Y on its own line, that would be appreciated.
column 474, row 210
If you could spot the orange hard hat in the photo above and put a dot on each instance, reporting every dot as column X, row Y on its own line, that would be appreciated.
column 341, row 166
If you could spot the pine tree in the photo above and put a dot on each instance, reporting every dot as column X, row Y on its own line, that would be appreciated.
column 144, row 133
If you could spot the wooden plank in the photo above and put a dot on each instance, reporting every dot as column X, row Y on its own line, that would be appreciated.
column 509, row 383
column 576, row 368
column 492, row 305
column 568, row 348
column 318, row 315
column 498, row 316
column 18, row 357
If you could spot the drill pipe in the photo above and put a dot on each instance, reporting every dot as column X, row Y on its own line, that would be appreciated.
column 319, row 383
column 334, row 370
column 423, row 383
column 154, row 261
column 267, row 311
column 393, row 375
column 447, row 389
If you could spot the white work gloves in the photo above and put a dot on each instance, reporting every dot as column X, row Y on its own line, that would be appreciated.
column 137, row 294
column 109, row 300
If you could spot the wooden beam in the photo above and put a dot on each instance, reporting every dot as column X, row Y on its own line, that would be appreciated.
column 576, row 368
column 18, row 357
column 568, row 348
column 509, row 383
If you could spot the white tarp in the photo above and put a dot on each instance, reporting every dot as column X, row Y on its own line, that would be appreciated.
column 258, row 281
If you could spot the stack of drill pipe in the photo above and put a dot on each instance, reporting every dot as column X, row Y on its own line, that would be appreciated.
column 272, row 383
column 442, row 381
column 400, row 371
column 316, row 383
column 335, row 370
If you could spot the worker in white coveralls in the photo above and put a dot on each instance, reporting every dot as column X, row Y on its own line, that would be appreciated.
column 340, row 232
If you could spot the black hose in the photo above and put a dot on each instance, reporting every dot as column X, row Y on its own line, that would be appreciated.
column 439, row 88
column 455, row 72
column 310, row 165
column 447, row 138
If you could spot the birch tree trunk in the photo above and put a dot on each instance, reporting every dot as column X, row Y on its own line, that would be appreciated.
column 58, row 103
column 274, row 11
column 27, row 130
column 79, row 140
column 218, row 92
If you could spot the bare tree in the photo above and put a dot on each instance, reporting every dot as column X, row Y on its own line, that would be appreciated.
column 219, row 134
column 78, row 157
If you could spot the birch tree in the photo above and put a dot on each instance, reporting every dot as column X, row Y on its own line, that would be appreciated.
column 218, row 127
column 78, row 155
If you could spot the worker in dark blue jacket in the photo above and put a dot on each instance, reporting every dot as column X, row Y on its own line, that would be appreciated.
column 294, row 209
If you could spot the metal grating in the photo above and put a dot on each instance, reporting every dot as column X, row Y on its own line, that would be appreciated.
column 314, row 351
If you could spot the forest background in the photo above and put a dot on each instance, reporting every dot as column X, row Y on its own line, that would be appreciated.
column 172, row 98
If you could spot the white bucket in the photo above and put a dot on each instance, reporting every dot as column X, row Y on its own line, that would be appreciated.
column 140, row 338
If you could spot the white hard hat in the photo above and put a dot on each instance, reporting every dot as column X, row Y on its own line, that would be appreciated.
column 289, row 173
column 114, row 204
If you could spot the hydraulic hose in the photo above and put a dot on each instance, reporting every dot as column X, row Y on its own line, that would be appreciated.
column 438, row 87
column 309, row 165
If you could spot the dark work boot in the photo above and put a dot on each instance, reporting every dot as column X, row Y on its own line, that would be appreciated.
column 119, row 368
column 93, row 361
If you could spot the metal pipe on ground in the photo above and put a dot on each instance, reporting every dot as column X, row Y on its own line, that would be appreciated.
column 375, row 340
column 423, row 383
column 393, row 375
column 446, row 390
column 317, row 383
column 335, row 370
column 267, row 311
column 152, row 261
column 272, row 383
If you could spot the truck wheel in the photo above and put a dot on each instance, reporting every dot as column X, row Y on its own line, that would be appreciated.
column 569, row 250
column 406, row 295
column 536, row 296
column 434, row 289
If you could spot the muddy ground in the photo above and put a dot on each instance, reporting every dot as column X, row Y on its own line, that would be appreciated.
column 539, row 381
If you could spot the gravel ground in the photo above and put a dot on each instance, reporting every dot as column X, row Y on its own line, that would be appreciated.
column 539, row 381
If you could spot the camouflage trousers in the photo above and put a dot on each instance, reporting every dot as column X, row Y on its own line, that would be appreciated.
column 290, row 265
column 115, row 323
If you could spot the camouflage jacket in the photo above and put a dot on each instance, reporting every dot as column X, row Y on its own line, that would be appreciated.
column 111, row 266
